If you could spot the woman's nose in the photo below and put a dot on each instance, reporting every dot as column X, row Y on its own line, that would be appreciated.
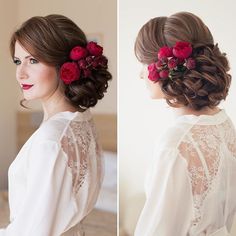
column 21, row 72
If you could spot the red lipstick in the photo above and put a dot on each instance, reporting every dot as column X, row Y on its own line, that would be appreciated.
column 26, row 86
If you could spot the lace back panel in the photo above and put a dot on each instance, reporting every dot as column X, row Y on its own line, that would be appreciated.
column 201, row 148
column 80, row 144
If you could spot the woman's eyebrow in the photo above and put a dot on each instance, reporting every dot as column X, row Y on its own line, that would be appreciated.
column 26, row 57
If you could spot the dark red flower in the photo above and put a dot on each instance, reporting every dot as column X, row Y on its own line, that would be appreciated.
column 190, row 63
column 82, row 64
column 89, row 59
column 94, row 49
column 87, row 73
column 102, row 61
column 159, row 64
column 164, row 74
column 95, row 64
column 182, row 50
column 181, row 61
column 164, row 52
column 78, row 53
column 172, row 63
column 69, row 72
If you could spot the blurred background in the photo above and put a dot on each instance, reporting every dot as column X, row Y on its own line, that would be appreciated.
column 142, row 120
column 98, row 19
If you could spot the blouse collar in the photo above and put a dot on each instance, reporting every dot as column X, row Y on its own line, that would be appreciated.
column 214, row 119
column 69, row 115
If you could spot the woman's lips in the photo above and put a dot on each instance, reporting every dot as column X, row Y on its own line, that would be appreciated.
column 26, row 86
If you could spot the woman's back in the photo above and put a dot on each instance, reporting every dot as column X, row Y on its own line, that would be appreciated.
column 190, row 190
column 209, row 148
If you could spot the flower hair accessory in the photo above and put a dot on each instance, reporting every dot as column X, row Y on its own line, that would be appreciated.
column 83, row 61
column 170, row 60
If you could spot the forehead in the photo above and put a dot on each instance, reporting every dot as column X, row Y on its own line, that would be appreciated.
column 20, row 51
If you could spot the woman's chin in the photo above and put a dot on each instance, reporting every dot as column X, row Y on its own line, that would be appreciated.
column 29, row 98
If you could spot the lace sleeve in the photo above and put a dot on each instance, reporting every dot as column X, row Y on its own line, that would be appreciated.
column 84, row 161
column 201, row 152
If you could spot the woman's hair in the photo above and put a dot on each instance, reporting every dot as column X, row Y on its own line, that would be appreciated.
column 209, row 82
column 50, row 39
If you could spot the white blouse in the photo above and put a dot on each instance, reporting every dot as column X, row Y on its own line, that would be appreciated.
column 191, row 189
column 55, row 179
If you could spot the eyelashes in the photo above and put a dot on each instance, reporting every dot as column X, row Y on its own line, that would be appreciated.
column 16, row 61
column 33, row 61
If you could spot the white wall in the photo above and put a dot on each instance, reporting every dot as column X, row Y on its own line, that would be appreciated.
column 141, row 120
column 8, row 89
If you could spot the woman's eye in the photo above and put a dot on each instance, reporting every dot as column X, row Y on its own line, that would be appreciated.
column 16, row 61
column 33, row 61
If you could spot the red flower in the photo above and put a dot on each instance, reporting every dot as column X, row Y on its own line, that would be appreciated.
column 181, row 61
column 94, row 49
column 153, row 73
column 78, row 53
column 82, row 64
column 164, row 74
column 89, row 59
column 102, row 61
column 182, row 50
column 172, row 63
column 87, row 73
column 190, row 63
column 69, row 72
column 164, row 52
column 159, row 64
column 152, row 67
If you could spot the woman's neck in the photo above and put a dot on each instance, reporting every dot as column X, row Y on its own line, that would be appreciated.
column 55, row 104
column 204, row 111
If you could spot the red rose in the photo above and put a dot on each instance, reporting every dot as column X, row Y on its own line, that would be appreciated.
column 190, row 63
column 154, row 76
column 164, row 74
column 182, row 50
column 94, row 49
column 172, row 63
column 82, row 64
column 181, row 61
column 153, row 73
column 152, row 67
column 159, row 64
column 69, row 72
column 87, row 73
column 164, row 52
column 78, row 53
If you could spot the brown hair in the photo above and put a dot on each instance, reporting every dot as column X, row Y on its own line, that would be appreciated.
column 50, row 39
column 209, row 82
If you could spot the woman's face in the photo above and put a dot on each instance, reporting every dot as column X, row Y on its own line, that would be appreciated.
column 154, row 88
column 37, row 80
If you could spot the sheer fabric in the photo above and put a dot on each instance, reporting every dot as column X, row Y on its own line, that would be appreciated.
column 191, row 190
column 55, row 179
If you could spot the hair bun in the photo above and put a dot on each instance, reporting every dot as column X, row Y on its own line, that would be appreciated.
column 206, row 85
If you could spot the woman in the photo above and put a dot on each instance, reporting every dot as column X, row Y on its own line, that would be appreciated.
column 191, row 189
column 56, row 177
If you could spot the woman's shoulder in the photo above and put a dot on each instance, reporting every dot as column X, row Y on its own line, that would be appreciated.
column 172, row 136
column 54, row 128
column 51, row 130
